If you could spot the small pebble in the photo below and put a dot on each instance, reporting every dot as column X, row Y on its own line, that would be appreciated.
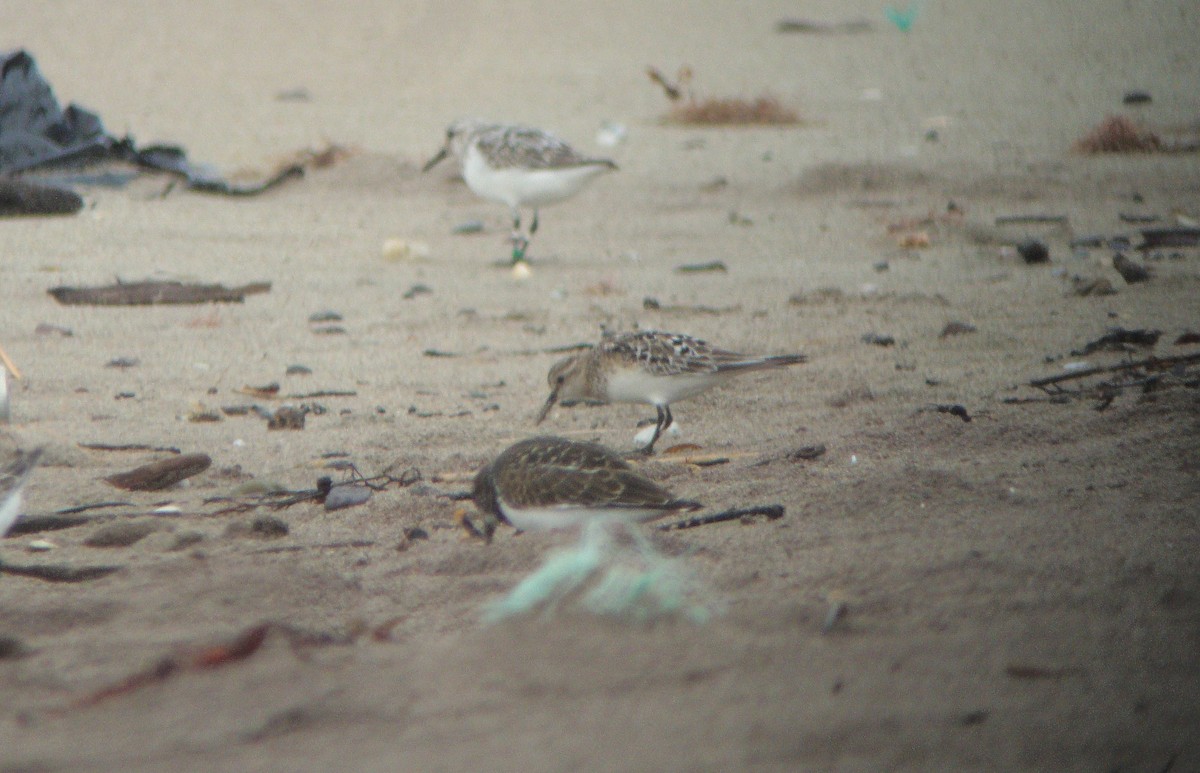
column 262, row 527
column 120, row 535
column 878, row 339
column 40, row 546
column 347, row 496
column 1033, row 251
column 469, row 227
column 298, row 370
column 325, row 316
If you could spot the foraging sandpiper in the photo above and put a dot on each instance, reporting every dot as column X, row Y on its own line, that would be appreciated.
column 554, row 483
column 518, row 166
column 650, row 367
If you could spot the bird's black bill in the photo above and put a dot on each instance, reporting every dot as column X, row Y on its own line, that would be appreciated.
column 550, row 401
column 431, row 163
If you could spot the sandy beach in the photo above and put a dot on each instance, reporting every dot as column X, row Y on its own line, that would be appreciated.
column 1020, row 591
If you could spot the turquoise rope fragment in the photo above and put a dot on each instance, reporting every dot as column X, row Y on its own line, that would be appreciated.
column 607, row 579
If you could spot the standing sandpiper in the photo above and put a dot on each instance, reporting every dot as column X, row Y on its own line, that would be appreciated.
column 518, row 166
column 554, row 483
column 12, row 480
column 650, row 367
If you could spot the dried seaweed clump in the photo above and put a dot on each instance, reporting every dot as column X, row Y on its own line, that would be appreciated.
column 1118, row 134
column 719, row 111
column 733, row 111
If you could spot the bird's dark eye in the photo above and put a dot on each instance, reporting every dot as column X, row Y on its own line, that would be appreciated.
column 561, row 379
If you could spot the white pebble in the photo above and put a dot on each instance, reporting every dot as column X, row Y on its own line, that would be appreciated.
column 404, row 249
column 40, row 546
column 642, row 438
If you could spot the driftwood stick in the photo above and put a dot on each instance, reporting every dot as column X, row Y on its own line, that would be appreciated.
column 1158, row 363
column 8, row 363
column 152, row 293
column 772, row 512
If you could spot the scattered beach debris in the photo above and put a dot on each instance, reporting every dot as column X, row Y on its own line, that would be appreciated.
column 603, row 576
column 267, row 391
column 120, row 535
column 58, row 572
column 282, row 499
column 1032, row 219
column 155, row 292
column 653, row 304
column 161, row 474
column 1121, row 134
column 1136, row 97
column 1033, row 251
column 343, row 497
column 746, row 515
column 1157, row 238
column 1129, row 270
column 687, row 110
column 806, row 453
column 45, row 329
column 287, row 417
column 415, row 290
column 128, row 447
column 24, row 198
column 1119, row 339
column 40, row 135
column 232, row 650
column 468, row 227
column 611, row 134
column 1085, row 286
column 953, row 409
column 259, row 527
column 956, row 328
column 396, row 249
column 818, row 27
column 1147, row 375
column 903, row 18
column 697, row 268
column 838, row 609
column 878, row 339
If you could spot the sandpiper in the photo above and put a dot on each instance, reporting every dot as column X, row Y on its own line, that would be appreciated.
column 518, row 166
column 650, row 367
column 12, row 480
column 554, row 483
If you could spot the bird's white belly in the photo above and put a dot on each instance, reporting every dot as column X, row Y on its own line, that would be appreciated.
column 519, row 187
column 10, row 508
column 547, row 518
column 638, row 386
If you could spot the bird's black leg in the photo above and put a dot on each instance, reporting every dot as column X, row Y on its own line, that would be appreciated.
column 519, row 242
column 664, row 421
column 533, row 225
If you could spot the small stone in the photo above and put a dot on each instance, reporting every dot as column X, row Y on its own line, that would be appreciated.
column 878, row 339
column 287, row 417
column 262, row 527
column 186, row 539
column 120, row 535
column 956, row 328
column 1131, row 271
column 298, row 370
column 347, row 496
column 324, row 316
column 468, row 227
column 1033, row 251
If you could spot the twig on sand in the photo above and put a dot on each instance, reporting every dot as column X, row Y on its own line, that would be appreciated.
column 772, row 512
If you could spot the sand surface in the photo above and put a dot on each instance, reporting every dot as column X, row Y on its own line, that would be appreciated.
column 1022, row 591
